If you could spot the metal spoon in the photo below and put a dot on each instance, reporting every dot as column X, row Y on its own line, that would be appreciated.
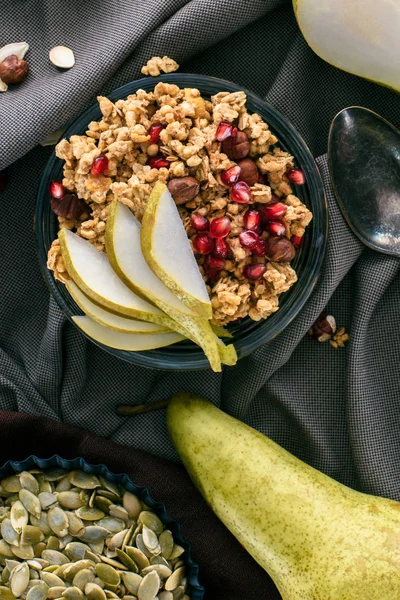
column 364, row 164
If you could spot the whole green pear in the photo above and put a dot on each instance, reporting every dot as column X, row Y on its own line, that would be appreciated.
column 317, row 539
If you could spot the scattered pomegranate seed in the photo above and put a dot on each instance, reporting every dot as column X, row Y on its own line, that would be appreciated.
column 203, row 243
column 224, row 130
column 252, row 220
column 276, row 228
column 262, row 178
column 99, row 165
column 220, row 227
column 213, row 265
column 274, row 199
column 260, row 248
column 157, row 162
column 154, row 132
column 254, row 272
column 249, row 239
column 221, row 248
column 57, row 190
column 240, row 192
column 272, row 211
column 199, row 222
column 231, row 176
column 296, row 240
column 296, row 176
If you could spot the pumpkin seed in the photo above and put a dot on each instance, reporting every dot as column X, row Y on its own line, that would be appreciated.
column 165, row 595
column 19, row 579
column 119, row 512
column 8, row 533
column 85, row 481
column 94, row 533
column 53, row 543
column 89, row 514
column 55, row 557
column 160, row 560
column 6, row 593
column 137, row 556
column 127, row 561
column 38, row 549
column 132, row 505
column 113, row 563
column 31, row 535
column 42, row 523
column 175, row 579
column 18, row 516
column 107, row 574
column 5, row 549
column 37, row 563
column 167, row 543
column 76, row 550
column 30, row 502
column 176, row 551
column 55, row 592
column 47, row 500
column 58, row 521
column 75, row 524
column 63, row 485
column 71, row 570
column 116, row 540
column 11, row 484
column 70, row 500
column 37, row 592
column 132, row 582
column 94, row 592
column 44, row 486
column 115, row 499
column 109, row 485
column 151, row 521
column 150, row 540
column 149, row 586
column 110, row 594
column 141, row 546
column 51, row 579
column 161, row 570
column 29, row 482
column 23, row 552
column 111, row 524
column 73, row 593
column 82, row 578
column 10, row 564
column 54, row 474
column 102, row 503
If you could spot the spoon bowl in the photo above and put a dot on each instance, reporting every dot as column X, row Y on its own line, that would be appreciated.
column 364, row 165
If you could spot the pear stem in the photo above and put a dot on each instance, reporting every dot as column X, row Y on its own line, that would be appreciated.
column 125, row 410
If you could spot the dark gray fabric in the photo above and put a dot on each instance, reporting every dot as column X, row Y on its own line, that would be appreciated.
column 339, row 410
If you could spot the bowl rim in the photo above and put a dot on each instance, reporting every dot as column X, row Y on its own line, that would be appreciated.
column 125, row 480
column 156, row 358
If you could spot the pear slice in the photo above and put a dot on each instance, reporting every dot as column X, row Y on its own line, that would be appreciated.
column 132, row 342
column 227, row 354
column 108, row 319
column 90, row 269
column 358, row 36
column 167, row 250
column 125, row 254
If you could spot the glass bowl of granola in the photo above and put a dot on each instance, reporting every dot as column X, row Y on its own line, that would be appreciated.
column 247, row 188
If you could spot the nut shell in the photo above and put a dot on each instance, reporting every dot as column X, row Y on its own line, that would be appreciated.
column 249, row 171
column 13, row 69
column 236, row 147
column 280, row 249
column 183, row 189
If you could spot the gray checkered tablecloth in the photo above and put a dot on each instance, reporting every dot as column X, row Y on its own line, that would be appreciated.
column 339, row 411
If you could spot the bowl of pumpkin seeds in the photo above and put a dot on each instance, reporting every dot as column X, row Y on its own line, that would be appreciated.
column 74, row 531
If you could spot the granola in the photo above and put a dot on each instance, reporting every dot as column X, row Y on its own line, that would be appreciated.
column 171, row 133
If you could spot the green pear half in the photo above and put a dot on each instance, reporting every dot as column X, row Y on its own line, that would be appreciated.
column 317, row 539
column 131, row 342
column 358, row 36
column 167, row 250
column 126, row 257
column 108, row 319
column 90, row 269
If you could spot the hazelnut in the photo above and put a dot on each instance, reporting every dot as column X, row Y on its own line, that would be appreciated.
column 324, row 327
column 69, row 206
column 280, row 249
column 183, row 189
column 249, row 171
column 13, row 69
column 236, row 147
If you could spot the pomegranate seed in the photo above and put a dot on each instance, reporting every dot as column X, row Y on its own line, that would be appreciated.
column 57, row 190
column 221, row 248
column 199, row 222
column 252, row 220
column 254, row 272
column 240, row 192
column 249, row 239
column 213, row 265
column 272, row 211
column 296, row 240
column 157, row 162
column 231, row 176
column 276, row 228
column 274, row 199
column 219, row 228
column 224, row 130
column 203, row 243
column 99, row 165
column 260, row 249
column 296, row 176
column 154, row 132
column 262, row 178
